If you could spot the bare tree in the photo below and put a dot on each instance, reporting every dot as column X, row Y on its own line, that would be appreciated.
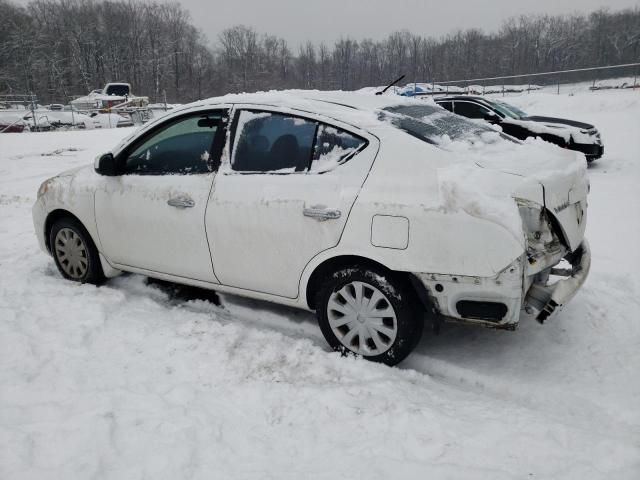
column 61, row 48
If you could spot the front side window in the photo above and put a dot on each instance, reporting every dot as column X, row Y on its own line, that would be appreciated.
column 272, row 142
column 470, row 110
column 183, row 146
column 508, row 110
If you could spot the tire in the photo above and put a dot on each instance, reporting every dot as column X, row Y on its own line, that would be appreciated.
column 352, row 325
column 74, row 252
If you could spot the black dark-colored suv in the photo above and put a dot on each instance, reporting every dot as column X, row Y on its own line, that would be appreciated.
column 570, row 134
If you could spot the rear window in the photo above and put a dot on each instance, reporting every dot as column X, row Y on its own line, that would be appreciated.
column 117, row 90
column 433, row 125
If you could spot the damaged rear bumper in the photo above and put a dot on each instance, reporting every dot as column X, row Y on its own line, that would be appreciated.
column 543, row 297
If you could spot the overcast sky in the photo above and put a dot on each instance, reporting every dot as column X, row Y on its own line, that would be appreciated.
column 328, row 20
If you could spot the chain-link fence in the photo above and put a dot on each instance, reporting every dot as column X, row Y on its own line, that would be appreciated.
column 20, row 112
column 561, row 81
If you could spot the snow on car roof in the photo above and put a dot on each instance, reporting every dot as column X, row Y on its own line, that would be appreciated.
column 324, row 102
column 357, row 109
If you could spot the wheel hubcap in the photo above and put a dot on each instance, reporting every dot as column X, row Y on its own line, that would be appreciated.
column 71, row 253
column 362, row 318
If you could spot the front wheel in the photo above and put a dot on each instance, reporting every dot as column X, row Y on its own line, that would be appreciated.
column 369, row 312
column 74, row 252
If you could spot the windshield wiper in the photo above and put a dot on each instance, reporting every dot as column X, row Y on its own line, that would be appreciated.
column 390, row 85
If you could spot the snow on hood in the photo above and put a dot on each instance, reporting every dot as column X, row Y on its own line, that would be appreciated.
column 562, row 122
column 565, row 129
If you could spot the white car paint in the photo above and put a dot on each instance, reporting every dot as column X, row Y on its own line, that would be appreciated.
column 279, row 238
column 460, row 232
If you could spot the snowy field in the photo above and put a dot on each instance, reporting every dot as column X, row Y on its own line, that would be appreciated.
column 140, row 380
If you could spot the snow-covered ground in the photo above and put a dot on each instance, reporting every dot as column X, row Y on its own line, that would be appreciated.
column 146, row 380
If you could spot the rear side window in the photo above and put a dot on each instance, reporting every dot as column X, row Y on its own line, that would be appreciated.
column 272, row 142
column 280, row 143
column 333, row 147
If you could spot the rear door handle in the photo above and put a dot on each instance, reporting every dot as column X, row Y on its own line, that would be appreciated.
column 181, row 202
column 322, row 213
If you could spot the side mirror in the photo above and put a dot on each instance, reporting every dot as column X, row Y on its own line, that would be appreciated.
column 106, row 165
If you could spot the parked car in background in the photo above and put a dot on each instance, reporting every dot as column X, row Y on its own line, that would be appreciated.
column 570, row 134
column 366, row 209
column 11, row 127
column 113, row 94
column 110, row 120
column 12, row 121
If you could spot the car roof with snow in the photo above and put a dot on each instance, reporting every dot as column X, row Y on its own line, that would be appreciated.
column 330, row 103
column 386, row 114
column 460, row 97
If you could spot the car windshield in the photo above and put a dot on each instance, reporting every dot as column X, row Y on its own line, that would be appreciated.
column 432, row 124
column 508, row 110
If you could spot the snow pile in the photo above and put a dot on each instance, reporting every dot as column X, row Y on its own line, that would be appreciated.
column 412, row 89
column 133, row 380
column 463, row 187
column 58, row 118
column 624, row 82
column 487, row 192
column 63, row 118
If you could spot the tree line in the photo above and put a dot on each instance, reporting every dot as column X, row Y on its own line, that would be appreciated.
column 59, row 49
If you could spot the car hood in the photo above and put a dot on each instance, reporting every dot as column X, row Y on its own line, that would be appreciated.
column 558, row 122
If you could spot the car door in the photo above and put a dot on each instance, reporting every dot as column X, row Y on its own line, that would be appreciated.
column 283, row 195
column 151, row 216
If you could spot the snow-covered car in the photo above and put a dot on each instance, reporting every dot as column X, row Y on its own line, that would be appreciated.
column 110, row 120
column 12, row 121
column 570, row 134
column 60, row 119
column 377, row 212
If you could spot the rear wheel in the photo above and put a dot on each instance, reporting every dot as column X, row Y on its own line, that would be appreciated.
column 74, row 252
column 369, row 312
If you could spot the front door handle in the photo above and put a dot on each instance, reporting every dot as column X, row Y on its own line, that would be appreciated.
column 322, row 213
column 181, row 202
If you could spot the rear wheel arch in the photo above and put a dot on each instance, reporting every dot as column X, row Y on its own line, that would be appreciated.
column 327, row 267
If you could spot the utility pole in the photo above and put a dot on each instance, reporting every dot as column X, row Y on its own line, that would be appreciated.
column 33, row 111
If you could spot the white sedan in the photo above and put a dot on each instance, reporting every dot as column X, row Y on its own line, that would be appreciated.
column 374, row 211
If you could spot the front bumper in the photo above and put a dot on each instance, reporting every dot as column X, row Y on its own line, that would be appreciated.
column 543, row 298
column 592, row 151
